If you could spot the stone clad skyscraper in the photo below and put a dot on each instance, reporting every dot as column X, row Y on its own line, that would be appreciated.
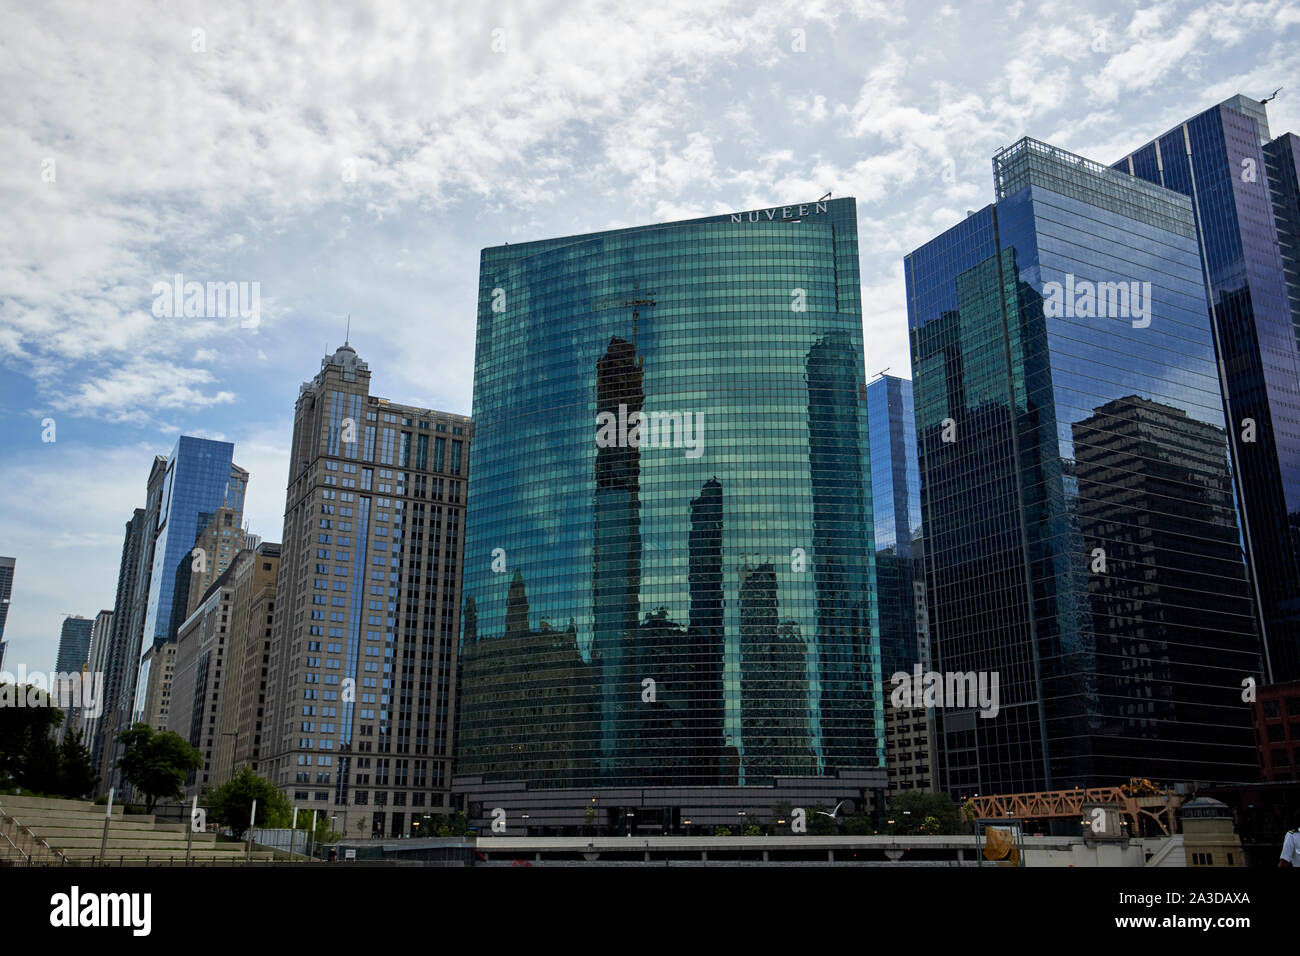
column 362, row 662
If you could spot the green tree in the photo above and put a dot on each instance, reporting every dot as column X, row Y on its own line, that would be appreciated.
column 231, row 804
column 76, row 775
column 156, row 762
column 323, row 833
column 454, row 825
column 28, row 757
column 858, row 824
column 919, row 811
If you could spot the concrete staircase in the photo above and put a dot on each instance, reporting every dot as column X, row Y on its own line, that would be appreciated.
column 45, row 832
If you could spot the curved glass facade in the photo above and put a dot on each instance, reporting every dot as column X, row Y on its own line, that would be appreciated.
column 668, row 572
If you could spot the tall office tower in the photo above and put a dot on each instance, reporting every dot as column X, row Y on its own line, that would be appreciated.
column 65, row 684
column 123, row 647
column 253, row 585
column 129, row 621
column 101, row 636
column 154, row 690
column 6, row 592
column 900, row 578
column 197, row 680
column 1242, row 186
column 200, row 480
column 363, row 656
column 221, row 660
column 220, row 538
column 74, row 644
column 668, row 579
column 1081, row 540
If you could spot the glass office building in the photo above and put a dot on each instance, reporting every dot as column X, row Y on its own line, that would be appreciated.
column 668, row 573
column 1242, row 186
column 74, row 645
column 200, row 478
column 896, row 506
column 1081, row 536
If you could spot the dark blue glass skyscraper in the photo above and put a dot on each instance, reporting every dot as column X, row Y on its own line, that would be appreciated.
column 1243, row 190
column 668, row 572
column 1080, row 530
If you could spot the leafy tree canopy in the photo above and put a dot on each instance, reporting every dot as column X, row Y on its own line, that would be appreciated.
column 231, row 804
column 156, row 762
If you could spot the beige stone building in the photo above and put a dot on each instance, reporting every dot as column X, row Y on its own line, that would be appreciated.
column 361, row 686
column 220, row 540
column 161, row 659
column 908, row 748
column 219, row 684
column 1209, row 835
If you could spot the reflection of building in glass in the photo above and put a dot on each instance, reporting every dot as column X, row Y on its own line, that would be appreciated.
column 1243, row 189
column 1155, row 494
column 705, row 708
column 199, row 478
column 773, row 680
column 717, row 606
column 616, row 563
column 841, row 559
column 1019, row 472
column 900, row 579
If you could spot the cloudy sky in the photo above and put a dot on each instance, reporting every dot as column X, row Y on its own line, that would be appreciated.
column 354, row 158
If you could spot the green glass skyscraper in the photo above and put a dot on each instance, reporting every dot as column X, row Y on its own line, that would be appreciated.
column 668, row 572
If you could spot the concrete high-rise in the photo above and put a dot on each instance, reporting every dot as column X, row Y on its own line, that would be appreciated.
column 222, row 655
column 6, row 592
column 1081, row 539
column 101, row 637
column 669, row 582
column 219, row 540
column 1242, row 183
column 363, row 653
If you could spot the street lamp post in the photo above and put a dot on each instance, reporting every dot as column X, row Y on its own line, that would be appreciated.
column 233, row 750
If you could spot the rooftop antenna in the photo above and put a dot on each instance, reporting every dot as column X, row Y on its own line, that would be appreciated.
column 348, row 333
column 1272, row 97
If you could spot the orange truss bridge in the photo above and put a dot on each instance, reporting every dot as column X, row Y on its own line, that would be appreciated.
column 1138, row 799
